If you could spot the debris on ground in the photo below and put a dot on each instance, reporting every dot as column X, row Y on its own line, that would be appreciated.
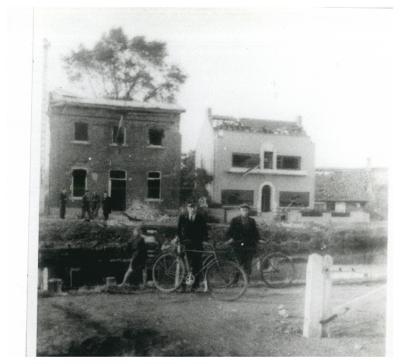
column 282, row 311
column 139, row 211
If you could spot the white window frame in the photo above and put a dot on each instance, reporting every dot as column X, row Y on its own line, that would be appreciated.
column 147, row 185
column 267, row 147
column 112, row 178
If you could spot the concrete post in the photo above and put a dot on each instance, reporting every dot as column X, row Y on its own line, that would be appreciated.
column 111, row 282
column 45, row 279
column 317, row 297
column 55, row 285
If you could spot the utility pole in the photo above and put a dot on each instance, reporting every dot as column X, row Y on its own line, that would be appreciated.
column 44, row 136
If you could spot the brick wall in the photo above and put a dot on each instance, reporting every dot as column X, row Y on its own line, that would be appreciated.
column 98, row 157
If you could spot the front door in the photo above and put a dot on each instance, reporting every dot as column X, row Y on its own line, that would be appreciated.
column 266, row 199
column 118, row 190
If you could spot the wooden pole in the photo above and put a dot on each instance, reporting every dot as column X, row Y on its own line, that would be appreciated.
column 327, row 290
column 317, row 295
column 342, row 309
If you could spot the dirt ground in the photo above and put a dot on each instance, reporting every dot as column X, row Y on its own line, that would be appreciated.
column 148, row 323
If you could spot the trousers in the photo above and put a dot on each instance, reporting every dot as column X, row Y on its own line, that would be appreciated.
column 195, row 260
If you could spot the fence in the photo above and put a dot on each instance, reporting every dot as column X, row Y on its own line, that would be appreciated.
column 330, row 217
column 318, row 309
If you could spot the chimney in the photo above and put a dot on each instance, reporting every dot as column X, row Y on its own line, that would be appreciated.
column 299, row 120
column 369, row 164
column 44, row 134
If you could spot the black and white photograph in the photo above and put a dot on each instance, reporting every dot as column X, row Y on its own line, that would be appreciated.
column 210, row 181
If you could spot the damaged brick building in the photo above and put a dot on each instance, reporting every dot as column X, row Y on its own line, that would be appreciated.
column 131, row 150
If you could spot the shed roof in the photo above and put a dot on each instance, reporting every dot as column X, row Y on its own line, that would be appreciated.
column 266, row 126
column 60, row 99
column 341, row 184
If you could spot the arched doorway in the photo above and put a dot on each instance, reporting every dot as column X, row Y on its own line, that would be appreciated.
column 266, row 198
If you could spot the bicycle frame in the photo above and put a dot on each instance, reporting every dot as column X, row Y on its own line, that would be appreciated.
column 210, row 258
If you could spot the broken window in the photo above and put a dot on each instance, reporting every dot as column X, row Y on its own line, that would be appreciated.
column 288, row 162
column 81, row 132
column 78, row 182
column 237, row 197
column 268, row 159
column 154, row 185
column 294, row 199
column 156, row 136
column 118, row 135
column 245, row 160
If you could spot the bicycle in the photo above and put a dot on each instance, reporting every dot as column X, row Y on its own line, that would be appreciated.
column 277, row 269
column 225, row 280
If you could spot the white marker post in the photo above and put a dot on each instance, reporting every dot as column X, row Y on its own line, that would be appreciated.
column 45, row 279
column 317, row 298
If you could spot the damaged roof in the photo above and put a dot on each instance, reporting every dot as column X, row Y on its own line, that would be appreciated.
column 341, row 184
column 221, row 122
column 61, row 99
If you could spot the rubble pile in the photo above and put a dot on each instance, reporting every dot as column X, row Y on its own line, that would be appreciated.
column 145, row 212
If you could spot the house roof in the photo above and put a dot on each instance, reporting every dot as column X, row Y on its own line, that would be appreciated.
column 341, row 184
column 222, row 122
column 60, row 99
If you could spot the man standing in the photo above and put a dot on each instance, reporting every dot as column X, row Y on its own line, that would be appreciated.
column 106, row 205
column 86, row 206
column 192, row 231
column 95, row 202
column 243, row 235
column 63, row 203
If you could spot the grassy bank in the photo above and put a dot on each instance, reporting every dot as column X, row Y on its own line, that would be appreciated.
column 339, row 240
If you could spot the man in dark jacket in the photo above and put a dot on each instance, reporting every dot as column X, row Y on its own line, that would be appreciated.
column 95, row 204
column 86, row 206
column 192, row 231
column 63, row 202
column 106, row 205
column 243, row 235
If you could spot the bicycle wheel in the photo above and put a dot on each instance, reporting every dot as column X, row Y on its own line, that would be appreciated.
column 168, row 272
column 277, row 270
column 226, row 280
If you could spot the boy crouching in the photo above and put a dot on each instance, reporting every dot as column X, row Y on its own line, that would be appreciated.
column 138, row 261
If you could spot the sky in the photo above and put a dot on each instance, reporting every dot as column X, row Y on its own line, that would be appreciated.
column 331, row 66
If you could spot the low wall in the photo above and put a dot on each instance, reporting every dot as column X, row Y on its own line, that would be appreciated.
column 225, row 215
column 327, row 217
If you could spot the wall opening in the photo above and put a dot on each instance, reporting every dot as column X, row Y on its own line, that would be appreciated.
column 154, row 185
column 156, row 136
column 79, row 180
column 118, row 190
column 81, row 132
column 266, row 198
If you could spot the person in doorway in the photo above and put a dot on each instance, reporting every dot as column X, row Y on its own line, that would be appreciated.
column 95, row 204
column 192, row 232
column 86, row 206
column 63, row 203
column 106, row 205
column 243, row 235
column 137, row 263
